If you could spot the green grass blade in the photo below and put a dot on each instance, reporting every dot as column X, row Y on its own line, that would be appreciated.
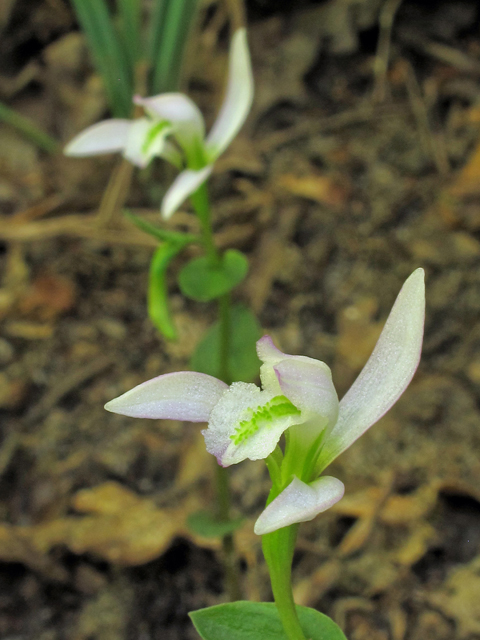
column 29, row 129
column 130, row 23
column 109, row 57
column 167, row 59
column 156, row 24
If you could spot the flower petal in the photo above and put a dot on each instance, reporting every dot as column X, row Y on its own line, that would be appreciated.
column 299, row 502
column 135, row 147
column 186, row 183
column 184, row 395
column 268, row 352
column 108, row 136
column 247, row 423
column 238, row 97
column 179, row 110
column 307, row 383
column 387, row 373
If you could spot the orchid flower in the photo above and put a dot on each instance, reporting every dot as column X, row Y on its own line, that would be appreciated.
column 174, row 129
column 298, row 399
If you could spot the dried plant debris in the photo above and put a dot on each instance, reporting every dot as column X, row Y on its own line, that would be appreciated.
column 336, row 197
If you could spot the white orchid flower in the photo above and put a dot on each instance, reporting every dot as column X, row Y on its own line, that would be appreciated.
column 173, row 116
column 297, row 398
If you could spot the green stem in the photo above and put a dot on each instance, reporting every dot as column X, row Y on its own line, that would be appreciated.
column 202, row 208
column 225, row 333
column 278, row 550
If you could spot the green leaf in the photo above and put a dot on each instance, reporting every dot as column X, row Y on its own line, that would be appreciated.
column 171, row 24
column 111, row 61
column 259, row 621
column 130, row 23
column 205, row 524
column 243, row 362
column 158, row 308
column 28, row 128
column 202, row 281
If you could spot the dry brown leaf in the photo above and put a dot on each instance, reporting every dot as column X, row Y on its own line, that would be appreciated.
column 416, row 546
column 459, row 598
column 467, row 181
column 321, row 189
column 49, row 296
column 310, row 589
column 121, row 527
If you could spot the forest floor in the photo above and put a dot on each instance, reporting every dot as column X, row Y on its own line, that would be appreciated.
column 343, row 181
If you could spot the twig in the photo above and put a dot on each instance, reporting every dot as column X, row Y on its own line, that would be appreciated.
column 68, row 383
column 115, row 194
column 420, row 112
column 306, row 128
column 79, row 226
column 387, row 16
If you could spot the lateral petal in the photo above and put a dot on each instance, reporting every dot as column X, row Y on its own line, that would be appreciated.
column 299, row 502
column 238, row 97
column 307, row 383
column 108, row 136
column 179, row 110
column 186, row 183
column 183, row 395
column 387, row 373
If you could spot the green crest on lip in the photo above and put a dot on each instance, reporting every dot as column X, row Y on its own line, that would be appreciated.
column 277, row 407
column 153, row 132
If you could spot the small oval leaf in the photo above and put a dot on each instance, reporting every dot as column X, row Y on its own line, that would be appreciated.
column 259, row 621
column 243, row 362
column 202, row 281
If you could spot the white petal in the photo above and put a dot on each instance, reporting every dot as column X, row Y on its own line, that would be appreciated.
column 268, row 352
column 307, row 383
column 108, row 136
column 238, row 97
column 299, row 502
column 179, row 110
column 184, row 395
column 238, row 404
column 184, row 185
column 387, row 373
column 136, row 141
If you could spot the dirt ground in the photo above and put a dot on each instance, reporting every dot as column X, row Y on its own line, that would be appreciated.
column 347, row 177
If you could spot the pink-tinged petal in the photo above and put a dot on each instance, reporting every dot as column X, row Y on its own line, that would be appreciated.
column 183, row 186
column 387, row 373
column 184, row 395
column 268, row 352
column 307, row 383
column 299, row 502
column 238, row 97
column 179, row 110
column 108, row 136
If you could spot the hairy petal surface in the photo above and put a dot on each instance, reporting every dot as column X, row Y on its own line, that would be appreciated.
column 186, row 183
column 238, row 98
column 299, row 502
column 184, row 395
column 247, row 423
column 108, row 136
column 387, row 373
